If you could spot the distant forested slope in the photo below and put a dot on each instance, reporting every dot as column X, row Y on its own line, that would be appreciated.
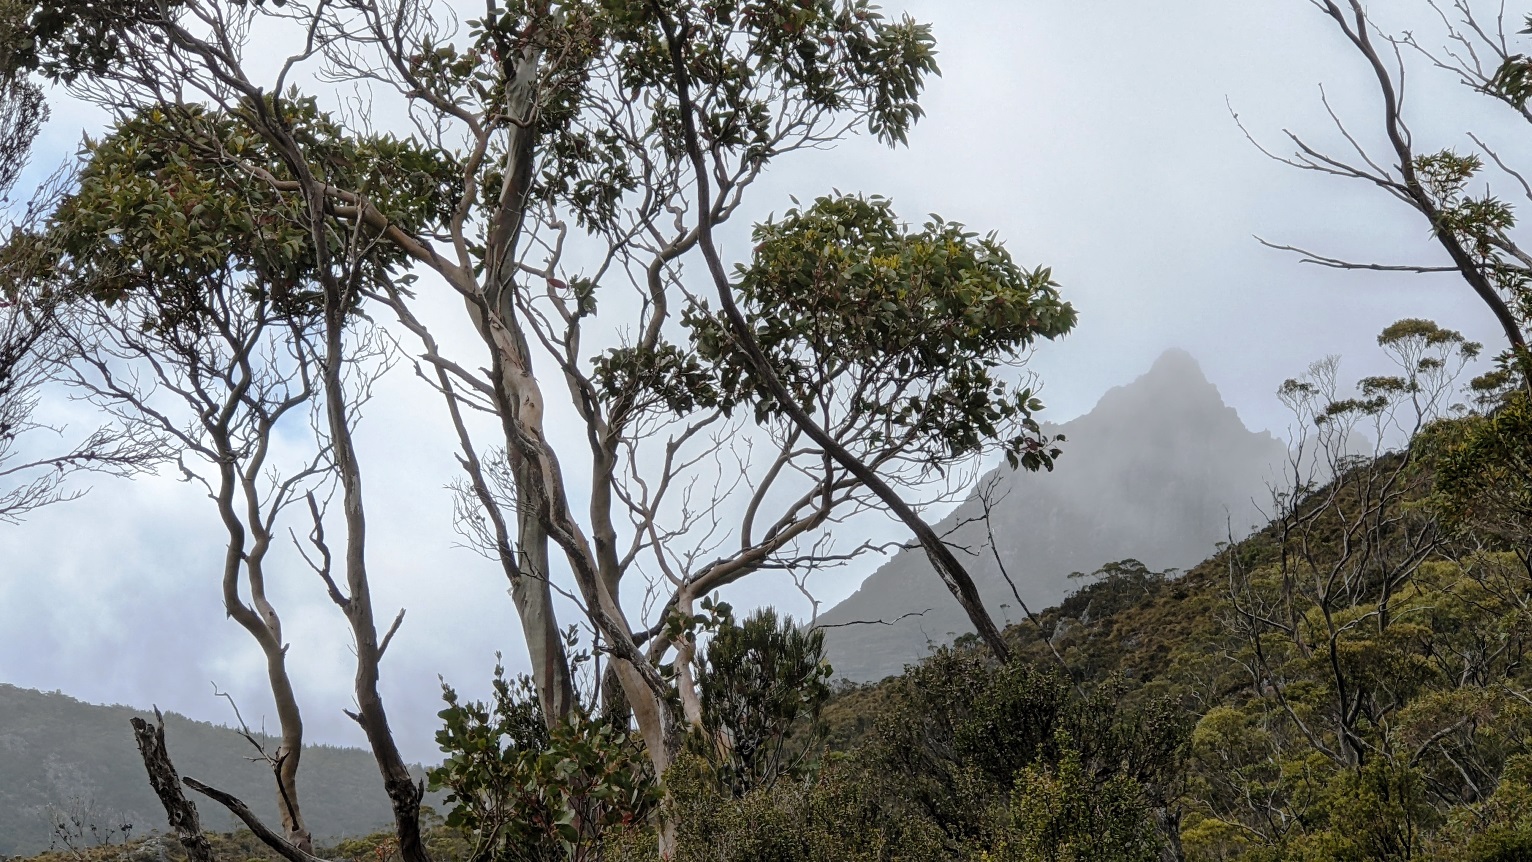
column 59, row 755
column 1351, row 679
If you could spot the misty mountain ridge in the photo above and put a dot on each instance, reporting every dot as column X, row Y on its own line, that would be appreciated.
column 61, row 756
column 1160, row 470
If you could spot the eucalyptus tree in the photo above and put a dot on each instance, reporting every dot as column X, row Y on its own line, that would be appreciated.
column 1465, row 196
column 193, row 314
column 1336, row 628
column 190, row 317
column 565, row 161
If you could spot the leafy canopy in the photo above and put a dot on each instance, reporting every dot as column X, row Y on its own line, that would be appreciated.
column 913, row 325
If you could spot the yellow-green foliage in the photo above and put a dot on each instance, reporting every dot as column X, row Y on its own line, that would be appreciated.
column 1486, row 471
column 1060, row 813
column 836, row 815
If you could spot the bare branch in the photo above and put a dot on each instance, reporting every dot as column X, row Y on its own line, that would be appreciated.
column 263, row 832
column 1337, row 263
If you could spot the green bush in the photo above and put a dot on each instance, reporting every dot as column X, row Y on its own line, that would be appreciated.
column 1061, row 813
column 763, row 684
column 527, row 792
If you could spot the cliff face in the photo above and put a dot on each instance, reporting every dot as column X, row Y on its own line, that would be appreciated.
column 1160, row 470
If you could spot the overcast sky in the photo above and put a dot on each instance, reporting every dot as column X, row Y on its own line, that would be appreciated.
column 1094, row 137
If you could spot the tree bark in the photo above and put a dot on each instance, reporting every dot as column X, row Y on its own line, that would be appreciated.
column 180, row 812
column 533, row 594
column 538, row 475
column 402, row 790
column 265, row 626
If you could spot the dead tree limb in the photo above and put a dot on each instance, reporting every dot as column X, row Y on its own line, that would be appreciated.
column 179, row 810
column 239, row 809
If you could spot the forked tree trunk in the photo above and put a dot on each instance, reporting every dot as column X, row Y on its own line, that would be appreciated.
column 265, row 626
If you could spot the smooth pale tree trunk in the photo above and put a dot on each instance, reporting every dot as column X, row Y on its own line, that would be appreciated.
column 492, row 309
column 289, row 718
column 264, row 624
column 260, row 619
column 265, row 627
column 400, row 786
column 539, row 478
column 288, row 753
column 528, row 570
column 533, row 595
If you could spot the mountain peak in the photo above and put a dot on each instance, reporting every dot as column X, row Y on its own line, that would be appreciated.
column 1173, row 393
column 1158, row 471
column 1175, row 362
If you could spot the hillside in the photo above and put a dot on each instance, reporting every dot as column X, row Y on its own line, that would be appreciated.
column 58, row 754
column 1347, row 683
column 1160, row 470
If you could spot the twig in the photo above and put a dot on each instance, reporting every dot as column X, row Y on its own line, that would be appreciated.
column 1338, row 263
column 870, row 622
column 389, row 635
